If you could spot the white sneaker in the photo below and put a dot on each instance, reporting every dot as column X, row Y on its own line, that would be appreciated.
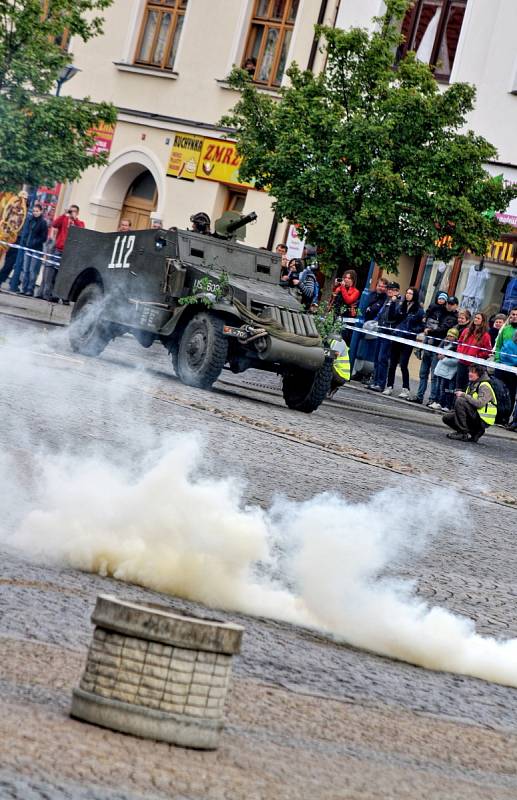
column 435, row 406
column 404, row 394
column 388, row 391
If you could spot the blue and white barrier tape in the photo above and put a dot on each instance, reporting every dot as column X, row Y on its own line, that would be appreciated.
column 49, row 258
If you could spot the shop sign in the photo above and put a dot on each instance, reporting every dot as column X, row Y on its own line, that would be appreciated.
column 184, row 157
column 507, row 219
column 504, row 252
column 219, row 161
column 103, row 139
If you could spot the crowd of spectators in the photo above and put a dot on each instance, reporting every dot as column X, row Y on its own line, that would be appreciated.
column 389, row 326
column 434, row 334
column 457, row 385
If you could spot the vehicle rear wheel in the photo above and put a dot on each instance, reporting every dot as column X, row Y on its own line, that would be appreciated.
column 304, row 390
column 88, row 333
column 202, row 352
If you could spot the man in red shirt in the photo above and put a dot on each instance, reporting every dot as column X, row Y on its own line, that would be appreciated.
column 56, row 244
column 62, row 225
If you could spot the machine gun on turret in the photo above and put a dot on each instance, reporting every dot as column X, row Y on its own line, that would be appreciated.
column 231, row 224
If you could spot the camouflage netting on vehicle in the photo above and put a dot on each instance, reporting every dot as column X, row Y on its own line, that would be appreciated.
column 276, row 329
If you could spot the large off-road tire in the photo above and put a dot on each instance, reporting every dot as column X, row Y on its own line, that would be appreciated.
column 88, row 333
column 202, row 352
column 304, row 390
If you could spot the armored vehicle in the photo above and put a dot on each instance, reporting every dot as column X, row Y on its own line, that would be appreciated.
column 210, row 300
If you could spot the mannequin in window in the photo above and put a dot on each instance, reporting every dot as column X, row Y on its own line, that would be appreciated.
column 474, row 291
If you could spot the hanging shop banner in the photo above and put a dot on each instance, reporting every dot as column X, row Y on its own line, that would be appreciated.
column 13, row 210
column 219, row 161
column 507, row 219
column 184, row 157
column 103, row 139
column 295, row 243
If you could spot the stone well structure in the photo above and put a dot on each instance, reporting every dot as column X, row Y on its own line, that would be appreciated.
column 157, row 674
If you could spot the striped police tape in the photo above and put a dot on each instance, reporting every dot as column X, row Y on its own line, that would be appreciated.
column 347, row 323
column 49, row 258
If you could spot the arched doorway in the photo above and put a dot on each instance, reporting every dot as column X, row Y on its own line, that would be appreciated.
column 140, row 201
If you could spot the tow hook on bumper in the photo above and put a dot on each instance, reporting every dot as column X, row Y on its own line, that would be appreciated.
column 245, row 334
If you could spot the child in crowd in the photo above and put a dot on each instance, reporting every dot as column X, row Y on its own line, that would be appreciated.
column 497, row 323
column 445, row 374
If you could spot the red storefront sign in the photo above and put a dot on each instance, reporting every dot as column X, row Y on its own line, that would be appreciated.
column 103, row 139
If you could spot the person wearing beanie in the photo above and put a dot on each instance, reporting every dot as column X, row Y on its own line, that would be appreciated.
column 445, row 374
column 495, row 326
column 440, row 316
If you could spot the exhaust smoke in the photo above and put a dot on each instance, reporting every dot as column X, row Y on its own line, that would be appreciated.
column 322, row 563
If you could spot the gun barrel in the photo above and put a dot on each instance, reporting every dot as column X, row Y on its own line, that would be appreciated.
column 234, row 226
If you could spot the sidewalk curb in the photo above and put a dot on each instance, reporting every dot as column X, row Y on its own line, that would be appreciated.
column 34, row 309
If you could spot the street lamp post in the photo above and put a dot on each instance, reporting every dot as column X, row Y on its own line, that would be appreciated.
column 66, row 73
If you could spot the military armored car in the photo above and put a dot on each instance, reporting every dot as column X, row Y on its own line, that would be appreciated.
column 210, row 300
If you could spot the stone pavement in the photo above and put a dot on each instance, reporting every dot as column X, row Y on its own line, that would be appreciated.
column 307, row 717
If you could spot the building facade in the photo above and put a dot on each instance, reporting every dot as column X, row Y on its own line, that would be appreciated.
column 164, row 64
column 469, row 41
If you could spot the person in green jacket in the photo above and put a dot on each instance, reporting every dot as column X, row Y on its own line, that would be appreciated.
column 505, row 352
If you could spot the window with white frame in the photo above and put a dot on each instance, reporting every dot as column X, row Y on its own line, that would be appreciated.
column 269, row 37
column 160, row 33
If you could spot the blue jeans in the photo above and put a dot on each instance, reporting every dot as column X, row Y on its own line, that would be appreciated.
column 382, row 363
column 47, row 284
column 428, row 363
column 445, row 390
column 31, row 268
column 14, row 283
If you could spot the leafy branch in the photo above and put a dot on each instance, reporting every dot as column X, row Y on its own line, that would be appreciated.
column 208, row 292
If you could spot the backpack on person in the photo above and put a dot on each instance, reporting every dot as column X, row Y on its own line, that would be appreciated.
column 308, row 287
column 504, row 403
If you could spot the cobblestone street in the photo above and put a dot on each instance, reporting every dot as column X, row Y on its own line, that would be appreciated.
column 307, row 717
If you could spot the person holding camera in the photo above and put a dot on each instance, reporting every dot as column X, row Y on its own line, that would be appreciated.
column 56, row 244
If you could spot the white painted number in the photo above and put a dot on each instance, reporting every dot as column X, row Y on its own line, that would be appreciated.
column 122, row 249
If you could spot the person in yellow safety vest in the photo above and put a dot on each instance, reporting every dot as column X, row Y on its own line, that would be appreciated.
column 474, row 410
column 340, row 366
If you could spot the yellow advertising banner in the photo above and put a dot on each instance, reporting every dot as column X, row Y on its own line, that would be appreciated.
column 13, row 210
column 184, row 157
column 219, row 161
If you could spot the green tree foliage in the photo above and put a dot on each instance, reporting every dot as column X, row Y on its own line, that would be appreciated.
column 44, row 138
column 372, row 160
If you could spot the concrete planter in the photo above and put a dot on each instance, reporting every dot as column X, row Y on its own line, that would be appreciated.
column 157, row 674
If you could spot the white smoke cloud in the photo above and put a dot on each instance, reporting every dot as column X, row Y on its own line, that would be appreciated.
column 171, row 528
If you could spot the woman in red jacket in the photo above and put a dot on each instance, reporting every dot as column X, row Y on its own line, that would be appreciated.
column 474, row 341
column 345, row 299
column 346, row 296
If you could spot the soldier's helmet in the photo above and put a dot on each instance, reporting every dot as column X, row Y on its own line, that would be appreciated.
column 201, row 222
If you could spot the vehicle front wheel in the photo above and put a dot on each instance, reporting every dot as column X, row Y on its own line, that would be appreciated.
column 88, row 334
column 202, row 352
column 304, row 390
